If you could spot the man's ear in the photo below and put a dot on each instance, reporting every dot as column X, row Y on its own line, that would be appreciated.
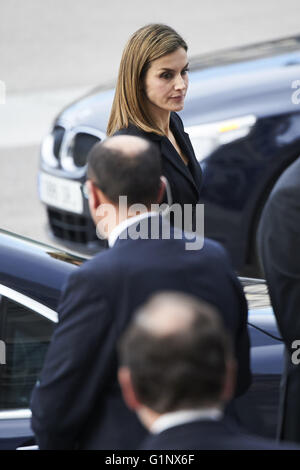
column 127, row 388
column 229, row 381
column 95, row 195
column 163, row 188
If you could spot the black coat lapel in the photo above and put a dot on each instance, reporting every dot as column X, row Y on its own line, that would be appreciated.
column 194, row 164
column 193, row 172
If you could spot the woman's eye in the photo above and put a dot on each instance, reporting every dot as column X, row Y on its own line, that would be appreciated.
column 166, row 75
column 169, row 75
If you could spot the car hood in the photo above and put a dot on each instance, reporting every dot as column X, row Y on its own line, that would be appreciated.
column 223, row 85
column 35, row 269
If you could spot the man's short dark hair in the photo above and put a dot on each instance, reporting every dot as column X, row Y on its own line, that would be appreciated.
column 183, row 369
column 118, row 174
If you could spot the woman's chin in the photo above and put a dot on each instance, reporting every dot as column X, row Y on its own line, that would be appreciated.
column 177, row 106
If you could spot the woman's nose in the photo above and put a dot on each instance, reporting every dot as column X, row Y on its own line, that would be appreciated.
column 180, row 83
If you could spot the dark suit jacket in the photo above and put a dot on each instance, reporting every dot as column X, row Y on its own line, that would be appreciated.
column 184, row 180
column 279, row 248
column 78, row 400
column 209, row 435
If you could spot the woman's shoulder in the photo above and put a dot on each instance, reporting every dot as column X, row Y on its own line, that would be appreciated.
column 131, row 130
column 136, row 131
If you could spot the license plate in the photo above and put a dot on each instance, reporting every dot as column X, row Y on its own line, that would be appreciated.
column 61, row 193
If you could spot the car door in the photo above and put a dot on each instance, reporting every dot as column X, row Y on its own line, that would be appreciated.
column 26, row 327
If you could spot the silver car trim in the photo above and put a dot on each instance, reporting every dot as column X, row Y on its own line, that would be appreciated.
column 66, row 151
column 41, row 310
column 15, row 414
column 47, row 151
column 252, row 280
column 29, row 303
column 36, row 447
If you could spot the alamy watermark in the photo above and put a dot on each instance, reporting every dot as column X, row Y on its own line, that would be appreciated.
column 296, row 93
column 187, row 220
column 2, row 352
column 295, row 358
column 2, row 92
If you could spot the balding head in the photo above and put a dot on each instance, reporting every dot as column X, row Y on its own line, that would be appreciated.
column 176, row 349
column 129, row 145
column 126, row 166
column 172, row 314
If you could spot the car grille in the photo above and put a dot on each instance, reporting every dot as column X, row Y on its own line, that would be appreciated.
column 83, row 143
column 71, row 227
column 58, row 134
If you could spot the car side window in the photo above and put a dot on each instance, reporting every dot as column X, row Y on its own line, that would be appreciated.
column 26, row 335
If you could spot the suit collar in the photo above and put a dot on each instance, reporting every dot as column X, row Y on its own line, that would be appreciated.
column 177, row 418
column 123, row 226
column 140, row 224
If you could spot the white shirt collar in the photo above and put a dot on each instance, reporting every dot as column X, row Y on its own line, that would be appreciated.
column 115, row 233
column 176, row 418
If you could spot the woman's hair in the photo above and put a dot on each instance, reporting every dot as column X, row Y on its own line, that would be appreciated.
column 146, row 45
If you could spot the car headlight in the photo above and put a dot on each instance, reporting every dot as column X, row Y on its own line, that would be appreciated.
column 206, row 138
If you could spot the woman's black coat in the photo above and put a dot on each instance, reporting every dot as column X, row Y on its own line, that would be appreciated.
column 184, row 180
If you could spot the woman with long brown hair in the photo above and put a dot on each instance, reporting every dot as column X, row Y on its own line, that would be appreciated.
column 151, row 88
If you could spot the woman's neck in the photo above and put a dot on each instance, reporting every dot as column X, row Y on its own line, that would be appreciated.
column 161, row 118
column 164, row 123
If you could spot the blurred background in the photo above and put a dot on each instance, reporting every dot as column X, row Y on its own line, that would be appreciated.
column 52, row 52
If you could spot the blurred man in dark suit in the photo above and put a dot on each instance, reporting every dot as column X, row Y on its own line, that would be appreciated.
column 279, row 248
column 78, row 402
column 178, row 372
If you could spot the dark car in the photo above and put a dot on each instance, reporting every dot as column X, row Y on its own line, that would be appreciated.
column 31, row 279
column 243, row 116
column 32, row 276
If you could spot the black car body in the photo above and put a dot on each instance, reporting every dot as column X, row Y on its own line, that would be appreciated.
column 242, row 113
column 31, row 279
column 32, row 276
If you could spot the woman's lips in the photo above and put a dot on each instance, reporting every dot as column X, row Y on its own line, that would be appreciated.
column 177, row 98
